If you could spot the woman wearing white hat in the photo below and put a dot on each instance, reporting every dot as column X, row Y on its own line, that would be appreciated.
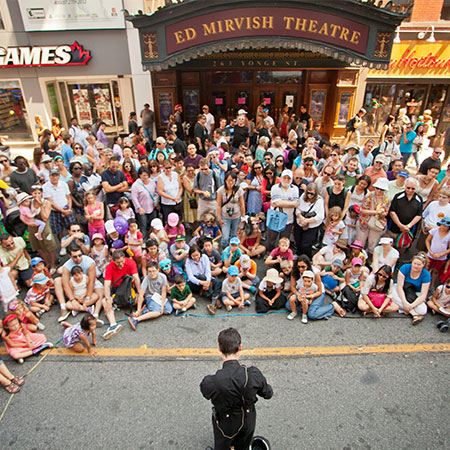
column 374, row 211
column 385, row 254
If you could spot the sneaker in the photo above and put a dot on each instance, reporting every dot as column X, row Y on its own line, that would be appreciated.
column 292, row 316
column 100, row 322
column 112, row 331
column 75, row 313
column 43, row 347
column 211, row 309
column 52, row 271
column 133, row 323
column 90, row 309
column 40, row 326
column 228, row 307
column 252, row 289
column 194, row 306
column 247, row 303
column 38, row 236
column 49, row 237
column 304, row 318
column 63, row 252
column 40, row 312
column 64, row 315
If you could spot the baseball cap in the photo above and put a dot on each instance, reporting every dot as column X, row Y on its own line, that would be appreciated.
column 109, row 227
column 165, row 264
column 308, row 274
column 380, row 158
column 386, row 240
column 235, row 241
column 178, row 106
column 337, row 262
column 40, row 278
column 54, row 171
column 403, row 173
column 287, row 173
column 233, row 271
column 179, row 238
column 266, row 110
column 35, row 261
column 46, row 158
column 245, row 261
column 357, row 262
column 242, row 111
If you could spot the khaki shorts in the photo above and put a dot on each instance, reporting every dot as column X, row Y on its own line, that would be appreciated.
column 206, row 206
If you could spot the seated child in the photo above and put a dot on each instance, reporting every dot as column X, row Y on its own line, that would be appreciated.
column 179, row 251
column 213, row 255
column 38, row 297
column 281, row 253
column 19, row 309
column 440, row 302
column 332, row 277
column 333, row 226
column 170, row 271
column 306, row 292
column 134, row 240
column 247, row 273
column 27, row 216
column 76, row 335
column 152, row 253
column 100, row 254
column 124, row 209
column 232, row 291
column 181, row 295
column 114, row 240
column 80, row 302
column 21, row 343
column 8, row 286
column 251, row 238
column 350, row 221
column 38, row 266
column 231, row 254
column 154, row 292
column 209, row 229
column 174, row 227
column 438, row 246
column 157, row 232
column 269, row 295
column 94, row 213
column 357, row 251
column 354, row 281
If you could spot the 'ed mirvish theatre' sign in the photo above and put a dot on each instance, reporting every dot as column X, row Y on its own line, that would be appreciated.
column 252, row 22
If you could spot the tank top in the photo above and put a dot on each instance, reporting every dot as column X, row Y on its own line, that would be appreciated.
column 171, row 187
column 96, row 211
column 425, row 192
column 336, row 199
column 79, row 289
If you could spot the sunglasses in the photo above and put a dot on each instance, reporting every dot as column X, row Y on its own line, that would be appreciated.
column 302, row 266
column 328, row 174
column 165, row 267
column 447, row 286
column 382, row 275
column 257, row 168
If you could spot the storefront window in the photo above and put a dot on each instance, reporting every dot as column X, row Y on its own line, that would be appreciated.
column 231, row 77
column 14, row 121
column 51, row 91
column 117, row 104
column 278, row 77
column 436, row 100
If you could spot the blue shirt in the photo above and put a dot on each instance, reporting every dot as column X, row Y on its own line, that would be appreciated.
column 297, row 161
column 424, row 277
column 67, row 154
column 365, row 161
column 407, row 148
column 226, row 254
column 203, row 267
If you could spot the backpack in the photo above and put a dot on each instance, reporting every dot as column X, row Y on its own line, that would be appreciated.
column 125, row 294
column 350, row 125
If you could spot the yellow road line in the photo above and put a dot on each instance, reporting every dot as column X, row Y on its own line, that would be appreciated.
column 143, row 351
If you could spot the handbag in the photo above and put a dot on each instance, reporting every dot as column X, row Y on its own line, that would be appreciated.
column 193, row 203
column 377, row 298
column 376, row 224
column 276, row 220
column 404, row 239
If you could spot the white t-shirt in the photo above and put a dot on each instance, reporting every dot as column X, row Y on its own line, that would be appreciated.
column 381, row 259
column 328, row 255
column 263, row 286
column 209, row 122
column 330, row 237
column 7, row 291
column 434, row 213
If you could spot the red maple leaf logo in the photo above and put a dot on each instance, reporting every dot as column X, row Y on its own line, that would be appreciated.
column 79, row 55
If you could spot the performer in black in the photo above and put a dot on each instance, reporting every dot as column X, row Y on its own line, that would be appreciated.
column 233, row 391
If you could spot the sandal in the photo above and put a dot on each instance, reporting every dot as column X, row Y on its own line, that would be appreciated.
column 18, row 381
column 12, row 388
column 417, row 320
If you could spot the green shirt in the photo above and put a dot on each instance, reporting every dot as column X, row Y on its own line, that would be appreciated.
column 339, row 273
column 180, row 296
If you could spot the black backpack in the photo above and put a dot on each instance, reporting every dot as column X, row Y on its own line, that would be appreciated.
column 350, row 125
column 125, row 294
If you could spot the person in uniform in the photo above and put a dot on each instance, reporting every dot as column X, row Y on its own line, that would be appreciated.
column 232, row 391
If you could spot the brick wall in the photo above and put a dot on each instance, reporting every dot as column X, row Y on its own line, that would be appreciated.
column 426, row 10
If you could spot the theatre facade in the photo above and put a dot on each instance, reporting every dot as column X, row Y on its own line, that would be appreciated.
column 233, row 55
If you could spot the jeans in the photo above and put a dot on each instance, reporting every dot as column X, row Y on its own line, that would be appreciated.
column 214, row 289
column 144, row 221
column 406, row 156
column 148, row 133
column 317, row 310
column 229, row 229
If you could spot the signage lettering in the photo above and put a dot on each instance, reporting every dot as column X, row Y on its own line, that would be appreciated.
column 284, row 22
column 52, row 55
column 409, row 60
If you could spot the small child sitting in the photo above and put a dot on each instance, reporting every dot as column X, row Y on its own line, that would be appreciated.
column 38, row 296
column 154, row 292
column 354, row 280
column 170, row 271
column 440, row 302
column 18, row 308
column 333, row 226
column 231, row 254
column 80, row 301
column 233, row 293
column 38, row 266
column 209, row 228
column 438, row 246
column 114, row 240
column 251, row 238
column 76, row 336
column 21, row 343
column 306, row 292
column 124, row 209
column 213, row 256
column 174, row 227
column 281, row 253
column 350, row 221
column 134, row 240
column 8, row 286
column 332, row 276
column 269, row 295
column 179, row 251
column 157, row 232
column 247, row 273
column 181, row 295
column 27, row 216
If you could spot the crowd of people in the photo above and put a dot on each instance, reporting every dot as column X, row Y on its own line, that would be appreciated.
column 164, row 221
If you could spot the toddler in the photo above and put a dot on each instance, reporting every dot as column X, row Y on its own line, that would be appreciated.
column 179, row 251
column 181, row 295
column 8, row 286
column 99, row 253
column 231, row 254
column 251, row 238
column 170, row 271
column 18, row 308
column 158, row 233
column 38, row 266
column 76, row 336
column 80, row 301
column 38, row 296
column 354, row 280
column 232, row 291
column 440, row 302
column 350, row 221
column 305, row 292
column 134, row 240
column 213, row 256
column 124, row 208
column 333, row 226
column 27, row 216
column 332, row 276
column 114, row 240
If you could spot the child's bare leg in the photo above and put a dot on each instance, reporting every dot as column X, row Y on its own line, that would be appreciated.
column 246, row 296
column 363, row 306
column 228, row 302
column 32, row 318
column 304, row 306
column 190, row 303
column 78, row 347
column 48, row 303
column 246, row 284
column 149, row 315
column 92, row 300
column 24, row 354
column 258, row 250
column 216, row 272
column 31, row 327
column 293, row 303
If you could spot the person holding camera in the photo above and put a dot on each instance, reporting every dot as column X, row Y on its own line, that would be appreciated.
column 230, row 207
column 309, row 216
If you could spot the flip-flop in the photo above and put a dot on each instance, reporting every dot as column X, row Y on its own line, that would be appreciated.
column 417, row 320
column 12, row 388
column 18, row 381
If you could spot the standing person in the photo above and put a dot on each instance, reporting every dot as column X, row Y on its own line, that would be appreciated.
column 305, row 117
column 200, row 134
column 24, row 177
column 406, row 143
column 133, row 126
column 233, row 391
column 114, row 183
column 101, row 135
column 179, row 121
column 241, row 134
column 170, row 191
column 206, row 183
column 209, row 124
column 75, row 131
column 353, row 127
column 148, row 117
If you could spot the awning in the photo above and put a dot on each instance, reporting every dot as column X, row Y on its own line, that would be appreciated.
column 354, row 31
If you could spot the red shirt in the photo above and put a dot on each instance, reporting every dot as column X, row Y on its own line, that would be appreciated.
column 113, row 273
column 287, row 255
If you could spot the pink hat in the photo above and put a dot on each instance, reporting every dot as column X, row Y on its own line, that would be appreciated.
column 357, row 244
column 98, row 236
column 357, row 262
column 173, row 219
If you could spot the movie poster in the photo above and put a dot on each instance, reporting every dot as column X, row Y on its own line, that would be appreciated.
column 103, row 104
column 82, row 106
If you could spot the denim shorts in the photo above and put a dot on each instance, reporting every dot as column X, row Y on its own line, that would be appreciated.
column 151, row 305
column 225, row 297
